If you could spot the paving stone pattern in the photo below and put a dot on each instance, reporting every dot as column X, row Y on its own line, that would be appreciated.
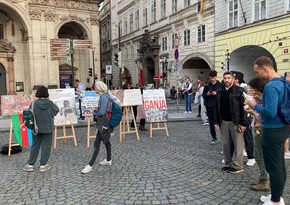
column 180, row 169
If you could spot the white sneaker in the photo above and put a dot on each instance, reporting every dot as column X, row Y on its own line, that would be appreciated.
column 189, row 112
column 223, row 161
column 267, row 199
column 44, row 168
column 204, row 124
column 287, row 155
column 251, row 162
column 28, row 168
column 245, row 153
column 87, row 169
column 185, row 112
column 106, row 163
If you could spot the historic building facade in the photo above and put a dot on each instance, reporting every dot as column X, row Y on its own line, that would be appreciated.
column 26, row 29
column 249, row 29
column 160, row 38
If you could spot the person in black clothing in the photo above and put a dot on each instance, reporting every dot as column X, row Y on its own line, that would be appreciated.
column 209, row 95
column 134, row 108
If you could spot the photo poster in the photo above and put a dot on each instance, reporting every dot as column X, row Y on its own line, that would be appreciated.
column 15, row 103
column 155, row 105
column 90, row 101
column 132, row 97
column 65, row 101
column 118, row 94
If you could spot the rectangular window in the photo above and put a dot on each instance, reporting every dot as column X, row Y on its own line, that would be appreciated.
column 186, row 37
column 201, row 33
column 186, row 3
column 131, row 23
column 145, row 18
column 163, row 8
column 137, row 19
column 174, row 6
column 233, row 13
column 259, row 10
column 174, row 41
column 164, row 43
column 153, row 11
column 125, row 26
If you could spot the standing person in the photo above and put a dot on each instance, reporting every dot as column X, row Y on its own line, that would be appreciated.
column 202, row 106
column 257, row 88
column 187, row 92
column 286, row 145
column 230, row 117
column 199, row 81
column 80, row 89
column 172, row 93
column 104, row 129
column 141, row 113
column 248, row 135
column 209, row 95
column 274, row 130
column 135, row 110
column 44, row 111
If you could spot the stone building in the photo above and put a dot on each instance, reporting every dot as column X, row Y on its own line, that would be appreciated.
column 158, row 38
column 250, row 29
column 26, row 29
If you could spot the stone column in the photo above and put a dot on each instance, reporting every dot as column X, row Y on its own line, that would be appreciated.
column 11, row 78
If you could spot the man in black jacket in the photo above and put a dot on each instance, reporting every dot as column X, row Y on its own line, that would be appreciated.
column 230, row 117
column 209, row 94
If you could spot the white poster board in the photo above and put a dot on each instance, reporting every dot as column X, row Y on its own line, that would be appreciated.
column 132, row 97
column 65, row 100
column 90, row 101
column 155, row 105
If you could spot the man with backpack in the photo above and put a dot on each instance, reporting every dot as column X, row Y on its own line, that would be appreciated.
column 274, row 130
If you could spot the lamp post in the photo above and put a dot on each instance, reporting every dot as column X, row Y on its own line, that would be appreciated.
column 228, row 60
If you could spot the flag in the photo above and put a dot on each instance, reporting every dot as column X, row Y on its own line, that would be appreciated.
column 16, row 127
column 200, row 5
column 23, row 135
column 23, row 131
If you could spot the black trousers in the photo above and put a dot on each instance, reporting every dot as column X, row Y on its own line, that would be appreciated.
column 135, row 115
column 97, row 145
column 210, row 115
column 249, row 139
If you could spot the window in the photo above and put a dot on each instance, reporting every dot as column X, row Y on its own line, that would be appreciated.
column 145, row 21
column 174, row 6
column 186, row 3
column 137, row 19
column 125, row 26
column 186, row 37
column 1, row 31
column 233, row 13
column 131, row 22
column 163, row 8
column 174, row 36
column 201, row 33
column 259, row 10
column 153, row 11
column 164, row 43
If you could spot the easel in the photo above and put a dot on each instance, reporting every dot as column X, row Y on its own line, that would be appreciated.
column 10, row 145
column 64, row 137
column 125, row 124
column 89, row 136
column 152, row 128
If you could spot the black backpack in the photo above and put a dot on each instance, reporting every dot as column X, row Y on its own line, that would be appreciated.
column 15, row 148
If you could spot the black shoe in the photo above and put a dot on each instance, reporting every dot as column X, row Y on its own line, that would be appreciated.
column 235, row 171
column 198, row 116
column 225, row 169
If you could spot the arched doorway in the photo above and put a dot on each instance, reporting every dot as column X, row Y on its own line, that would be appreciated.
column 3, row 89
column 150, row 70
column 242, row 60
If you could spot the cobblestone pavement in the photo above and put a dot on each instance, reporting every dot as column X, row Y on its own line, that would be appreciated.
column 180, row 169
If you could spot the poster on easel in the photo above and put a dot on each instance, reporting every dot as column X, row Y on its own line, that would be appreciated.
column 15, row 103
column 65, row 101
column 132, row 97
column 90, row 101
column 155, row 105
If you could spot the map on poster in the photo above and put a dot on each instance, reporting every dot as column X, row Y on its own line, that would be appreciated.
column 155, row 105
column 132, row 97
column 15, row 103
column 90, row 101
column 65, row 101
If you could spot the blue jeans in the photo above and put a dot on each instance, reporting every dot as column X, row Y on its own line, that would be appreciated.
column 187, row 102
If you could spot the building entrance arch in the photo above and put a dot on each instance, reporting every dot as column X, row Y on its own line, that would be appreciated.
column 3, row 88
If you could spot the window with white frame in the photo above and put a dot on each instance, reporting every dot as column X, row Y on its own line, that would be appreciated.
column 137, row 19
column 153, row 11
column 186, row 3
column 186, row 37
column 259, row 10
column 163, row 8
column 145, row 17
column 201, row 33
column 131, row 22
column 164, row 43
column 125, row 26
column 233, row 13
column 173, row 40
column 174, row 6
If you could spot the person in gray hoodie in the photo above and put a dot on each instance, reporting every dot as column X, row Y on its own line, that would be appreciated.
column 45, row 111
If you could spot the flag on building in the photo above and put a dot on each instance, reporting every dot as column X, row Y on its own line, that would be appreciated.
column 200, row 6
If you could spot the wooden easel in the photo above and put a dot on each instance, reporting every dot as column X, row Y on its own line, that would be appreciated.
column 125, row 124
column 10, row 145
column 89, row 136
column 64, row 137
column 152, row 128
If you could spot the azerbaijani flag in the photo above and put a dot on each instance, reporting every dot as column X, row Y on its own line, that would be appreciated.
column 22, row 134
column 200, row 5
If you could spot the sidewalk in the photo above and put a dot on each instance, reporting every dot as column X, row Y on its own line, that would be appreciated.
column 172, row 107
